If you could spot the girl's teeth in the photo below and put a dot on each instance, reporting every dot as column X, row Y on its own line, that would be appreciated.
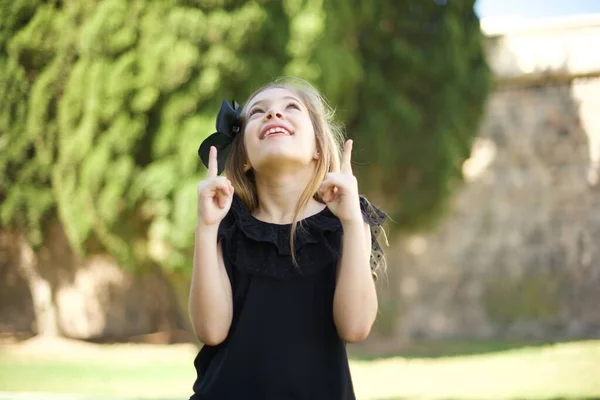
column 276, row 130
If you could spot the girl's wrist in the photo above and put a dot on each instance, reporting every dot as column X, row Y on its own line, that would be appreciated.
column 355, row 221
column 203, row 230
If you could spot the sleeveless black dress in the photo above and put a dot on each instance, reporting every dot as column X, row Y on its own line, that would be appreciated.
column 282, row 344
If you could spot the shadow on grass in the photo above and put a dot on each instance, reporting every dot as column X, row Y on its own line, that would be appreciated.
column 443, row 348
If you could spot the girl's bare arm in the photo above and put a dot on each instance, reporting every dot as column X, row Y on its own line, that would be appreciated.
column 355, row 301
column 210, row 302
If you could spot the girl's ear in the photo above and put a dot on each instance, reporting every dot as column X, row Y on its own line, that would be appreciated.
column 317, row 155
column 247, row 166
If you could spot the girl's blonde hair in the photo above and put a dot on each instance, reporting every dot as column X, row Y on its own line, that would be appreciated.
column 329, row 137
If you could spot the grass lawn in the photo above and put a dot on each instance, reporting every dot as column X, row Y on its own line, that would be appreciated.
column 568, row 370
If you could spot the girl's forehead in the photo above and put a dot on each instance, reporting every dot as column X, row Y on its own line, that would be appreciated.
column 272, row 95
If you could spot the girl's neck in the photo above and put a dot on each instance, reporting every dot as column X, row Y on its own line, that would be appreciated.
column 279, row 194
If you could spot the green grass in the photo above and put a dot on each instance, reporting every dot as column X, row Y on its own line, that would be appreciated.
column 518, row 371
column 447, row 348
column 136, row 381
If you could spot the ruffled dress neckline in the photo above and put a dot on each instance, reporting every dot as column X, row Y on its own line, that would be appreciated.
column 309, row 230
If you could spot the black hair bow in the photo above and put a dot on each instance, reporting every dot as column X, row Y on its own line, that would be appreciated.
column 229, row 124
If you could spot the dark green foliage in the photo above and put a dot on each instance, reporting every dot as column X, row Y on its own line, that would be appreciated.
column 419, row 101
column 106, row 101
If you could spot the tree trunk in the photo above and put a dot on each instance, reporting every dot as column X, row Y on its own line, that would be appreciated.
column 46, row 318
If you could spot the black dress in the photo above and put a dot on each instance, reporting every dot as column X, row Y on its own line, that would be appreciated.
column 282, row 343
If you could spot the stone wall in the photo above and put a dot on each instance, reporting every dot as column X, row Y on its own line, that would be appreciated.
column 518, row 255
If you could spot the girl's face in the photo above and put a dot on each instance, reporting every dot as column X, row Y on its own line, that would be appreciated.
column 278, row 131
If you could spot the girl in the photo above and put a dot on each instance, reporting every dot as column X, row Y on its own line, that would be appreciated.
column 285, row 253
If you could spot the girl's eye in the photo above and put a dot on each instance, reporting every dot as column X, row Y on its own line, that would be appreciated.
column 254, row 111
column 294, row 105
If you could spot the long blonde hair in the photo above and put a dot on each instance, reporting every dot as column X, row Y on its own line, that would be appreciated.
column 329, row 135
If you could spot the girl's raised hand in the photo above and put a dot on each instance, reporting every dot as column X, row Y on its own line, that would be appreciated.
column 339, row 190
column 215, row 194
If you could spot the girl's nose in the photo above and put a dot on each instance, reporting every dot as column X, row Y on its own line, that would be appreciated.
column 273, row 113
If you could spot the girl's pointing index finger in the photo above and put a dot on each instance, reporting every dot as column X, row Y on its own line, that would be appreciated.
column 347, row 158
column 212, row 162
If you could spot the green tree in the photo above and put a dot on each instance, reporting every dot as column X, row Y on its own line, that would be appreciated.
column 107, row 101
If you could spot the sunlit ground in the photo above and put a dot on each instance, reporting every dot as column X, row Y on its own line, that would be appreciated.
column 568, row 370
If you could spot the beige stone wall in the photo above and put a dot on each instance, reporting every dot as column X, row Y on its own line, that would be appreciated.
column 519, row 253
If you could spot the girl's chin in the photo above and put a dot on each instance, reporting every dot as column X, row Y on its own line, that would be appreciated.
column 279, row 149
column 282, row 159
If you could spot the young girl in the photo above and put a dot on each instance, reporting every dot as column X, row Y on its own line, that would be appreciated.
column 286, row 253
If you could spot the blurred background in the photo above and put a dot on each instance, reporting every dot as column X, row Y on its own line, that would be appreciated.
column 476, row 127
